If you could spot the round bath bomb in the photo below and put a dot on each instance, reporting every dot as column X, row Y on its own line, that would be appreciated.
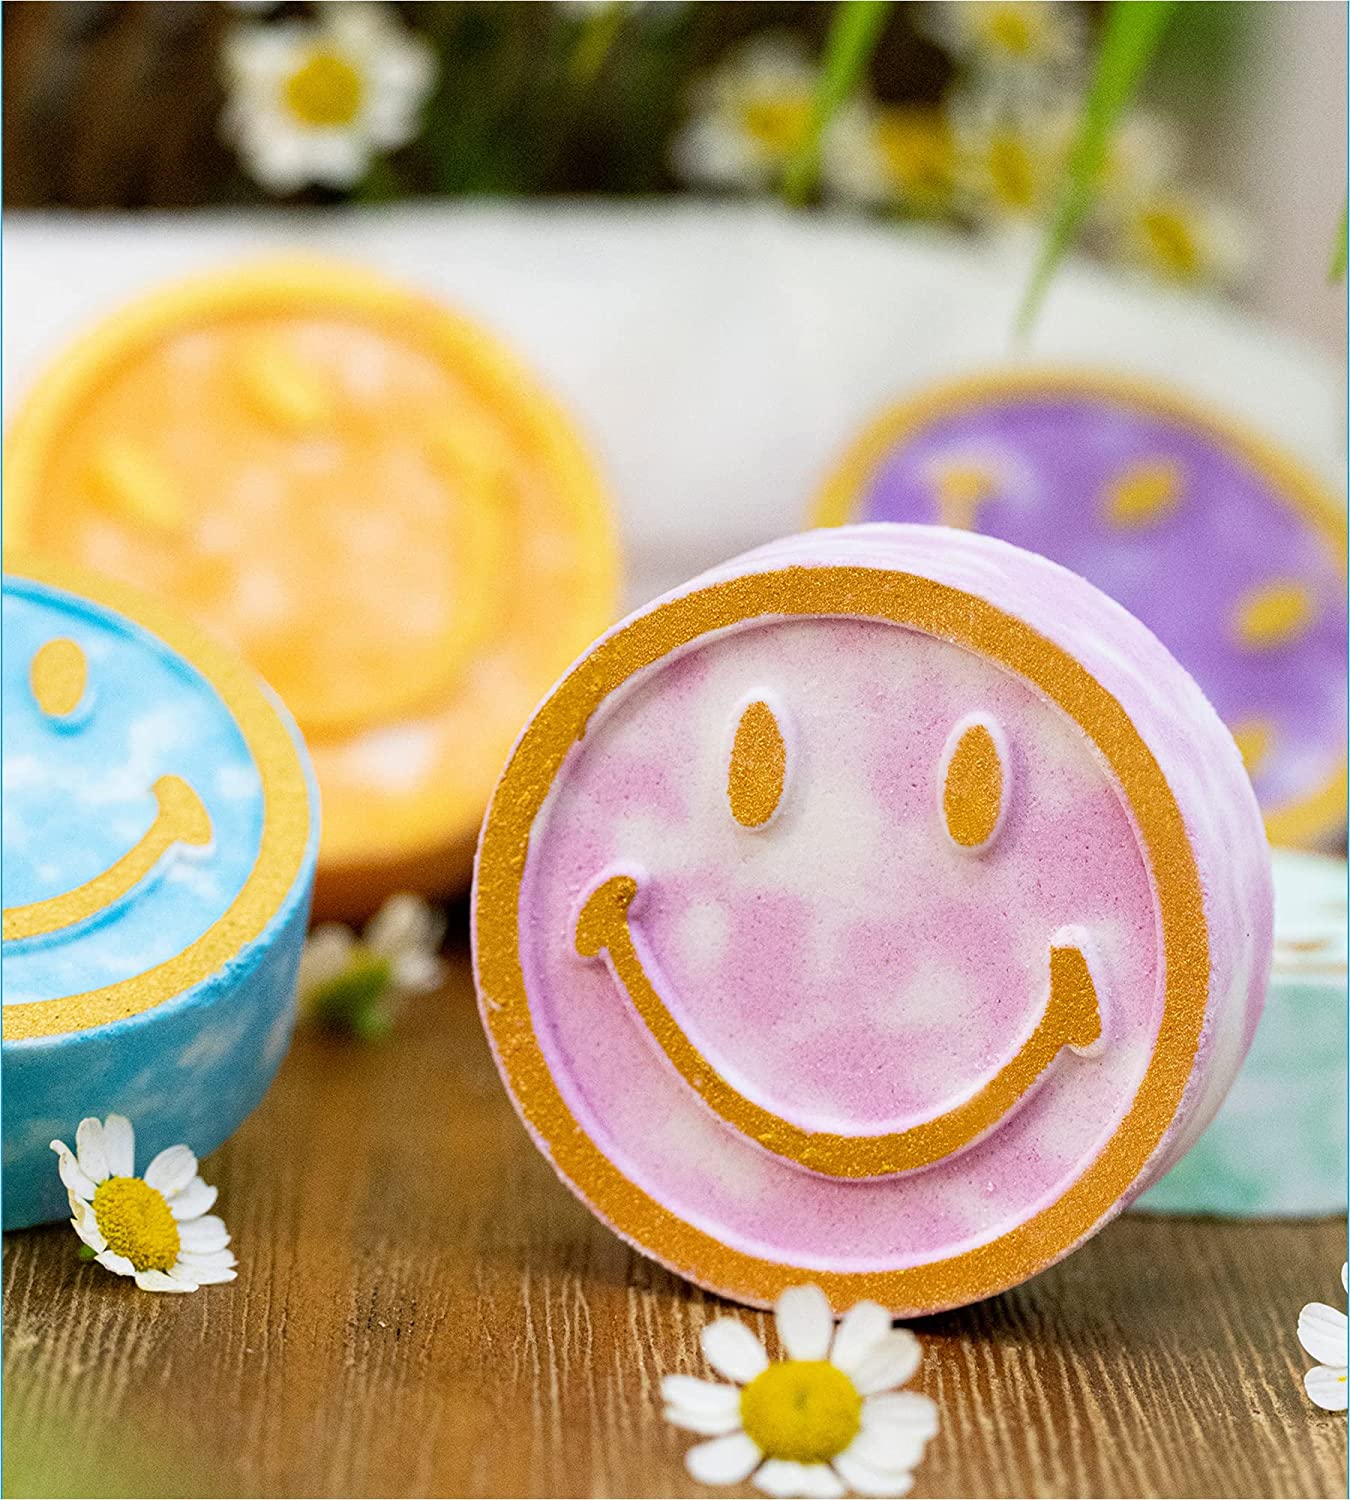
column 368, row 498
column 883, row 909
column 160, row 833
column 1229, row 551
column 1277, row 1147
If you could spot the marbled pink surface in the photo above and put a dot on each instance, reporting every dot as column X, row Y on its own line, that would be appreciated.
column 846, row 966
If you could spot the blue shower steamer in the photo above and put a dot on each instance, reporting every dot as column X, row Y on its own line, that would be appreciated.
column 160, row 831
column 1277, row 1146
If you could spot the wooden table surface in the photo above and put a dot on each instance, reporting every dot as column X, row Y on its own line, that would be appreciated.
column 422, row 1309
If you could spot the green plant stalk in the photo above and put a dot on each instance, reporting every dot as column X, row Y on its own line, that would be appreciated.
column 1337, row 271
column 1130, row 37
column 854, row 34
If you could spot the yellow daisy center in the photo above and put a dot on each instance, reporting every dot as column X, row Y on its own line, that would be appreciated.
column 1171, row 241
column 777, row 124
column 917, row 149
column 1012, row 172
column 324, row 91
column 136, row 1222
column 1011, row 30
column 801, row 1410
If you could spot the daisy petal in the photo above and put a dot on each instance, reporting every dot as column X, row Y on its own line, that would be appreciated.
column 119, row 1146
column 894, row 1449
column 118, row 1264
column 725, row 1460
column 906, row 1409
column 862, row 1477
column 171, row 1170
column 1344, row 1269
column 73, row 1175
column 780, row 1477
column 888, row 1363
column 89, row 1149
column 157, row 1281
column 733, row 1351
column 805, row 1322
column 1326, row 1387
column 85, row 1224
column 863, row 1327
column 1322, row 1332
column 188, row 1269
column 704, row 1423
column 203, row 1235
column 700, row 1395
column 193, row 1201
column 822, row 1483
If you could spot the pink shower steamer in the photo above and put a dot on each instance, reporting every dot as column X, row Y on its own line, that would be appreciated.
column 883, row 909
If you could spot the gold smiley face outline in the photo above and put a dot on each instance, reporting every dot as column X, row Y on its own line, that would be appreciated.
column 947, row 613
column 1300, row 822
column 58, row 675
column 286, row 815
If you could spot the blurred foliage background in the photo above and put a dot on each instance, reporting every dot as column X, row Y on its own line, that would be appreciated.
column 118, row 104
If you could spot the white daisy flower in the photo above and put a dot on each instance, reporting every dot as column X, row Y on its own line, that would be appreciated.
column 826, row 1420
column 1011, row 146
column 1180, row 237
column 894, row 156
column 312, row 101
column 1322, row 1332
column 749, row 116
column 352, row 982
column 1007, row 36
column 154, row 1228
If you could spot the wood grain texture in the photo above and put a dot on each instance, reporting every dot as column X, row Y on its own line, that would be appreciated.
column 423, row 1310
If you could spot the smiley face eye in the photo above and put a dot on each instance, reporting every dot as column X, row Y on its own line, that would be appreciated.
column 975, row 783
column 758, row 767
column 59, row 674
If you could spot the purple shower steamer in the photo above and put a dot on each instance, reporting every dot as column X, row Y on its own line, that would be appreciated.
column 1225, row 547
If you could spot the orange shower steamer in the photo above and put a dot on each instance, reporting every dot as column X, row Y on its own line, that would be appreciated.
column 364, row 493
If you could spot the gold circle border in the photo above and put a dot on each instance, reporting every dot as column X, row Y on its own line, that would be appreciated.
column 285, row 285
column 965, row 620
column 286, row 821
column 1323, row 810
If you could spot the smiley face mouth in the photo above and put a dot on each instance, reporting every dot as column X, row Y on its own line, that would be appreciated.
column 1072, row 1018
column 181, row 819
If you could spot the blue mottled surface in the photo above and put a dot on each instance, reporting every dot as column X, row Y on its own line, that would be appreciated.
column 1277, row 1147
column 76, row 798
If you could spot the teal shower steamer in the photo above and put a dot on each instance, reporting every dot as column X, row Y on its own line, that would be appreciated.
column 1277, row 1146
column 160, row 830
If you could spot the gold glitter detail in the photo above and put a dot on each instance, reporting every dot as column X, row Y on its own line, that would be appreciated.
column 282, row 389
column 1275, row 614
column 286, row 817
column 1071, row 1019
column 1143, row 494
column 801, row 1411
column 1311, row 818
column 58, row 675
column 962, row 489
column 181, row 819
column 972, row 789
column 131, row 481
column 949, row 614
column 758, row 766
column 137, row 1223
column 1255, row 738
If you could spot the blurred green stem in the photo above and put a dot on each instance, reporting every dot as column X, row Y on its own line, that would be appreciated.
column 1130, row 37
column 853, row 38
column 1337, row 272
column 595, row 41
